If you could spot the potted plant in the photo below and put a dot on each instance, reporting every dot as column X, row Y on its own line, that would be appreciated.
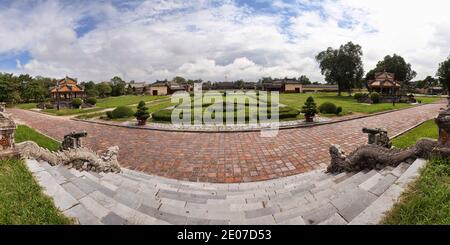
column 309, row 109
column 142, row 113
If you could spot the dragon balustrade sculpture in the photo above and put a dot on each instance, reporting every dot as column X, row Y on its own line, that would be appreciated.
column 378, row 153
column 72, row 153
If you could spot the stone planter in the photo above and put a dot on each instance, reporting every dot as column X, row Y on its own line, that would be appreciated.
column 142, row 122
column 309, row 118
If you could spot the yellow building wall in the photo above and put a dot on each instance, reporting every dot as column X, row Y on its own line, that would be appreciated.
column 161, row 90
column 292, row 87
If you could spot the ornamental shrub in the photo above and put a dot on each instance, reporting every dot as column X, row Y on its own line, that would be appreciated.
column 91, row 101
column 328, row 108
column 310, row 108
column 120, row 112
column 375, row 97
column 76, row 103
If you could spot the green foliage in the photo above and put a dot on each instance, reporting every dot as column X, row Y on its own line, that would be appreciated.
column 90, row 88
column 375, row 97
column 21, row 199
column 338, row 110
column 164, row 115
column 303, row 79
column 120, row 112
column 142, row 113
column 118, row 86
column 104, row 89
column 358, row 96
column 342, row 66
column 394, row 64
column 310, row 108
column 328, row 108
column 91, row 101
column 444, row 73
column 77, row 102
column 288, row 113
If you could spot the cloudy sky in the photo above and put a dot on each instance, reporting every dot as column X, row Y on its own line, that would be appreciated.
column 214, row 40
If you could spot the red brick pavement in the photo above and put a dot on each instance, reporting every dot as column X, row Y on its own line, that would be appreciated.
column 227, row 157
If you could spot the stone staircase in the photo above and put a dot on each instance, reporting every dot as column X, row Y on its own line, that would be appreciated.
column 315, row 197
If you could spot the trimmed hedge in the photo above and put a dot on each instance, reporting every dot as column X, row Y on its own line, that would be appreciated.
column 120, row 112
column 77, row 102
column 165, row 115
column 375, row 97
column 358, row 96
column 91, row 101
column 328, row 108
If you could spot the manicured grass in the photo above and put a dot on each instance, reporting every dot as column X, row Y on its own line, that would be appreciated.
column 68, row 112
column 112, row 102
column 427, row 130
column 24, row 133
column 21, row 198
column 427, row 202
column 428, row 99
column 348, row 104
column 26, row 106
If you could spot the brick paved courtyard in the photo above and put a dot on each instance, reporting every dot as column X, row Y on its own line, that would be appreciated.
column 227, row 157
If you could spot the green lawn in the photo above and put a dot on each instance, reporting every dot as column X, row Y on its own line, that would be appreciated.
column 112, row 102
column 428, row 129
column 26, row 106
column 24, row 133
column 348, row 104
column 427, row 201
column 21, row 198
column 68, row 112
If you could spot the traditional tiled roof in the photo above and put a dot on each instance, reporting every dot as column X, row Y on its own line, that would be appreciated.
column 67, row 84
column 385, row 80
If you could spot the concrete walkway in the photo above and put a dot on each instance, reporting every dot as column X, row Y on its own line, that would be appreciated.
column 228, row 157
column 315, row 197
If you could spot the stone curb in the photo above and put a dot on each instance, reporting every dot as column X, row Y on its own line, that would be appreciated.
column 306, row 125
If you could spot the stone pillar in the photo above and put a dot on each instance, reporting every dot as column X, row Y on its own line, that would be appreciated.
column 7, row 130
column 443, row 122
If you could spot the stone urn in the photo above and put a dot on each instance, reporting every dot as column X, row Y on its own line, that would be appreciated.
column 142, row 122
column 309, row 118
column 7, row 130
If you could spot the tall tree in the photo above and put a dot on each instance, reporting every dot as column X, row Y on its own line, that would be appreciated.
column 342, row 66
column 428, row 82
column 90, row 88
column 9, row 88
column 179, row 80
column 118, row 86
column 443, row 74
column 303, row 79
column 394, row 64
column 34, row 91
column 104, row 89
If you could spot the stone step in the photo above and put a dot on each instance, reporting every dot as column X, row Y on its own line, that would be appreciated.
column 132, row 197
column 405, row 174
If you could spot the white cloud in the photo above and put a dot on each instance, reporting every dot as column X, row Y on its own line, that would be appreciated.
column 162, row 39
